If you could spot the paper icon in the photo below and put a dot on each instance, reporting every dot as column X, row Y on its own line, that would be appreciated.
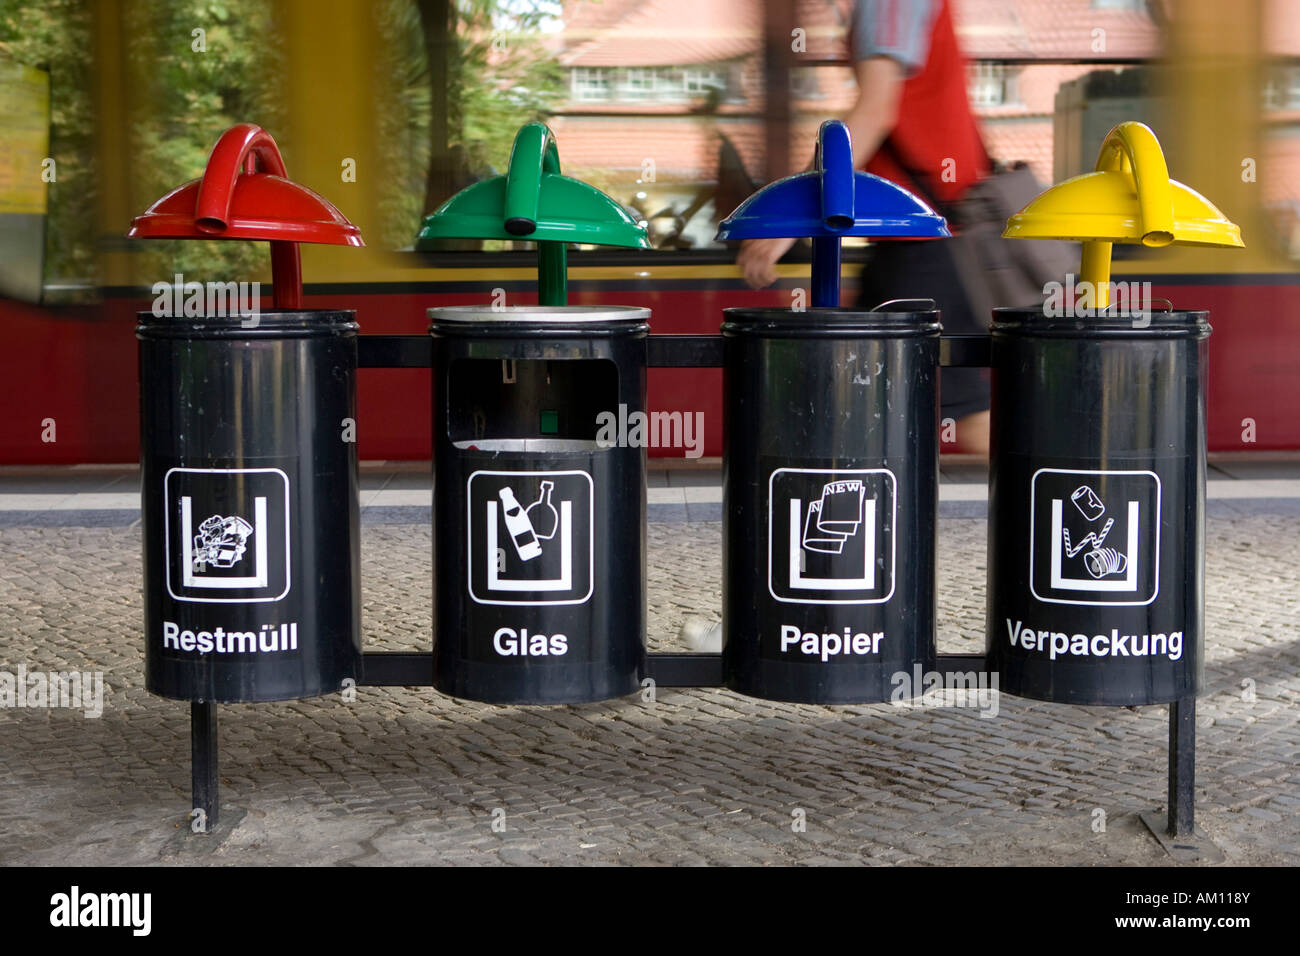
column 841, row 507
column 815, row 539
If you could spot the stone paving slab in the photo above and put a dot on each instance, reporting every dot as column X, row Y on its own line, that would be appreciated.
column 405, row 775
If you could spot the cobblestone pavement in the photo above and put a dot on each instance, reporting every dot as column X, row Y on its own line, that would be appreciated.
column 698, row 776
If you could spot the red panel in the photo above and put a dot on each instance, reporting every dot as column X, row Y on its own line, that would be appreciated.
column 1254, row 362
column 689, row 312
column 76, row 367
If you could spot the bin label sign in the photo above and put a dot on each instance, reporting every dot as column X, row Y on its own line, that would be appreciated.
column 530, row 538
column 831, row 535
column 227, row 534
column 1094, row 537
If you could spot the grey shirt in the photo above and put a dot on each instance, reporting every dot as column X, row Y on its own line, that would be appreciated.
column 898, row 29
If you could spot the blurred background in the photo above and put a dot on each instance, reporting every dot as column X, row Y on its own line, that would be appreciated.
column 677, row 108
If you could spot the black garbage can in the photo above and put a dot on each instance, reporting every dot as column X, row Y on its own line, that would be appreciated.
column 539, row 502
column 1096, row 506
column 830, row 497
column 250, row 508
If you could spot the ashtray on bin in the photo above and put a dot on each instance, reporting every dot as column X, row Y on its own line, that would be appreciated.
column 249, row 490
column 831, row 452
column 1096, row 553
column 539, row 522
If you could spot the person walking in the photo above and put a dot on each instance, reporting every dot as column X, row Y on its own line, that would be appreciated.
column 912, row 124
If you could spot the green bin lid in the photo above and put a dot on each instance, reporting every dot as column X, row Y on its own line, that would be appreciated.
column 533, row 201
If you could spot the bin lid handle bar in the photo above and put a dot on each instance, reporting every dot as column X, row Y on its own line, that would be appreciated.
column 835, row 163
column 906, row 305
column 533, row 156
column 248, row 145
column 1132, row 148
column 242, row 145
column 835, row 169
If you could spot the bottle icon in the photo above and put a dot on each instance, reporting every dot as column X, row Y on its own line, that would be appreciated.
column 542, row 514
column 520, row 528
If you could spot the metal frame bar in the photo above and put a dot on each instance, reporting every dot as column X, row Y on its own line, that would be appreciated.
column 203, row 762
column 1181, row 822
column 415, row 669
column 970, row 350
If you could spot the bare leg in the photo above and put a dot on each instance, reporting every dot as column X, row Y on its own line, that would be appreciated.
column 973, row 434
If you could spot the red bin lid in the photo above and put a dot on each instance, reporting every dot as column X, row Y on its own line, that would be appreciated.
column 245, row 194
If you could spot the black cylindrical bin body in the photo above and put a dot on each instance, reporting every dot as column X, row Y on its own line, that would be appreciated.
column 539, row 502
column 1096, row 506
column 830, row 490
column 250, row 508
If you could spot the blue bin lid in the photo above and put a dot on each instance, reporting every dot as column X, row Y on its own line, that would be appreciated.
column 833, row 202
